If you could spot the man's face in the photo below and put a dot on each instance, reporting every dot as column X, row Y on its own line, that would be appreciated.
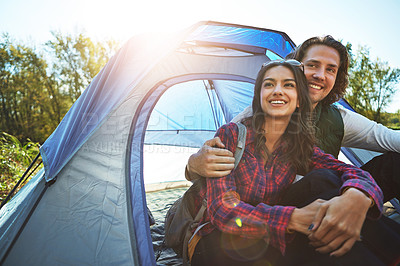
column 321, row 64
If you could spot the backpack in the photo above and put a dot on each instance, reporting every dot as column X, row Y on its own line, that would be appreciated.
column 183, row 217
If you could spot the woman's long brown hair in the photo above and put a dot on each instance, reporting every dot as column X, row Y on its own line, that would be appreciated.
column 299, row 134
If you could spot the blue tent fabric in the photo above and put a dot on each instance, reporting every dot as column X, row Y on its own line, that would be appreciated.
column 244, row 38
column 241, row 95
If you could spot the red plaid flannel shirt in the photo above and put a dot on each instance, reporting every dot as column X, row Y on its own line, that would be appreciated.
column 244, row 202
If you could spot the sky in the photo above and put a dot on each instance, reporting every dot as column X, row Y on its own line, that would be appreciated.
column 371, row 23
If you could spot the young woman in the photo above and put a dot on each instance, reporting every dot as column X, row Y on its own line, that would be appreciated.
column 246, row 222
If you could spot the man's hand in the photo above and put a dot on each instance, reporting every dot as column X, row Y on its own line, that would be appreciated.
column 338, row 223
column 212, row 160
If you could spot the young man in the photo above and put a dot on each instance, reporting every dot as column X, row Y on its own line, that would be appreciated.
column 337, row 225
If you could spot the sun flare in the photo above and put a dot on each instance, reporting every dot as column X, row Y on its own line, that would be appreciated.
column 121, row 19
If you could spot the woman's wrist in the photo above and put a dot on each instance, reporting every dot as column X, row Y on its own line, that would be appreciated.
column 293, row 225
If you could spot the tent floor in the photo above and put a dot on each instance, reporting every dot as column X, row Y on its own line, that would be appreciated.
column 159, row 203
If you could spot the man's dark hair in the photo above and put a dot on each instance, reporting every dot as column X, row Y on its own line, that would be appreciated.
column 342, row 78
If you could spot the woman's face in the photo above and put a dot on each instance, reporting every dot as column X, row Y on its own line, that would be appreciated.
column 278, row 93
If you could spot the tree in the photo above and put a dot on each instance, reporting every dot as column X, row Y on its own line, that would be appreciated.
column 77, row 59
column 385, row 80
column 25, row 98
column 372, row 83
column 37, row 88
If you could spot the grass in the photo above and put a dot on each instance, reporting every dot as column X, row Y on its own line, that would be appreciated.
column 15, row 158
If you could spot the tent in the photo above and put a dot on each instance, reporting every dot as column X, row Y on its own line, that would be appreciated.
column 88, row 205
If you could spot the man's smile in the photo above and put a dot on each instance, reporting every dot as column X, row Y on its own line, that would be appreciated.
column 316, row 87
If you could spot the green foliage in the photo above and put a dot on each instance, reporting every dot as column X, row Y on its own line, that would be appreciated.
column 372, row 84
column 27, row 92
column 37, row 88
column 14, row 160
column 392, row 120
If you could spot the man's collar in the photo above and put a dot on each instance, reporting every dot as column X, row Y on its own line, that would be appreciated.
column 317, row 112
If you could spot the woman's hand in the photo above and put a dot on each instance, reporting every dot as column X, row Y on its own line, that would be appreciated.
column 302, row 218
column 338, row 223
